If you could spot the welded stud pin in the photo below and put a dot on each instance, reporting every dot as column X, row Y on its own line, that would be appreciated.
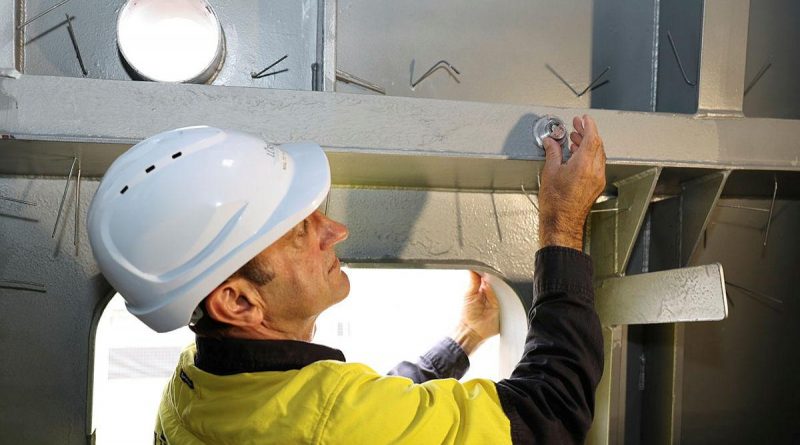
column 76, row 236
column 261, row 74
column 355, row 80
column 757, row 295
column 771, row 209
column 615, row 209
column 46, row 11
column 529, row 198
column 496, row 219
column 732, row 206
column 75, row 44
column 434, row 68
column 678, row 58
column 64, row 195
column 564, row 81
column 18, row 201
column 272, row 73
column 756, row 209
column 591, row 87
column 594, row 83
column 609, row 210
column 755, row 80
column 22, row 285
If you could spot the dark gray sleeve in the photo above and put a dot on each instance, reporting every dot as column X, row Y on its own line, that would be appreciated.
column 444, row 360
column 549, row 398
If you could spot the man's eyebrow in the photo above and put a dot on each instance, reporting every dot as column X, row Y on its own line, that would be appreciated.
column 299, row 227
column 292, row 233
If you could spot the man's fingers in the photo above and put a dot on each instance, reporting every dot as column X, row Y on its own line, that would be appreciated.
column 589, row 125
column 488, row 292
column 576, row 138
column 552, row 152
column 577, row 123
column 474, row 282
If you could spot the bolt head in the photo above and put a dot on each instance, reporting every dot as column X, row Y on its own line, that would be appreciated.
column 556, row 130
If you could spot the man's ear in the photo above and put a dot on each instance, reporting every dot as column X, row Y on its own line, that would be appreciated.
column 235, row 302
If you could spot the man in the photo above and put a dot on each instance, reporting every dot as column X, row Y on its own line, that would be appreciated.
column 220, row 229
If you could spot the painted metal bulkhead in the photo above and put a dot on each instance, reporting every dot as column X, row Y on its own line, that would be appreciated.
column 432, row 176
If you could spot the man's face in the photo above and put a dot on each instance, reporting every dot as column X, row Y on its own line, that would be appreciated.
column 307, row 274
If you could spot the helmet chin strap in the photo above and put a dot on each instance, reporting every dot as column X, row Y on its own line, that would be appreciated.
column 197, row 314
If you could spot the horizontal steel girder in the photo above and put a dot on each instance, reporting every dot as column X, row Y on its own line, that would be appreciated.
column 64, row 111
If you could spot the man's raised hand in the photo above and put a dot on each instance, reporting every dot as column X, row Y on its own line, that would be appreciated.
column 569, row 189
column 480, row 315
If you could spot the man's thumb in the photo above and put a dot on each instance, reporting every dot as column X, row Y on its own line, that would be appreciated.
column 552, row 151
column 474, row 282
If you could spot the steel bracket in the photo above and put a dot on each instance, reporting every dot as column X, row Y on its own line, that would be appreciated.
column 669, row 296
column 698, row 199
column 612, row 233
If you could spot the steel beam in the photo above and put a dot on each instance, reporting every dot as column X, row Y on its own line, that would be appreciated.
column 688, row 294
column 723, row 57
column 52, row 109
column 663, row 388
column 608, row 426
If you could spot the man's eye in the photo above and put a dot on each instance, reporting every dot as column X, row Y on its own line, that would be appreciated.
column 304, row 228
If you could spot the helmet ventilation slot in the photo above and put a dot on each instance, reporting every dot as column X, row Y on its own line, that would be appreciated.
column 175, row 155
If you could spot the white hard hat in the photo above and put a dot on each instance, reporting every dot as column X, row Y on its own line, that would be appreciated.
column 181, row 211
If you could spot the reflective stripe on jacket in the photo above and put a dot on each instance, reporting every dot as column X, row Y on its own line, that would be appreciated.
column 326, row 402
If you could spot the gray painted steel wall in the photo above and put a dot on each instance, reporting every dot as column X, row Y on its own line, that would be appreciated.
column 772, row 39
column 503, row 48
column 256, row 34
column 625, row 37
column 683, row 21
column 45, row 338
column 741, row 381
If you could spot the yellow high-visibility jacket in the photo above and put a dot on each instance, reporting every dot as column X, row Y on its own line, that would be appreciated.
column 326, row 402
column 283, row 392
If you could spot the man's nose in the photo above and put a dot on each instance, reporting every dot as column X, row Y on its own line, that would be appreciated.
column 334, row 233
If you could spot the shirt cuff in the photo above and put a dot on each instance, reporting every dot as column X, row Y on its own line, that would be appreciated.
column 448, row 359
column 560, row 268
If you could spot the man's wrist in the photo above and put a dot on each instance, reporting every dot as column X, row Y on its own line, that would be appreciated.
column 551, row 233
column 549, row 237
column 467, row 339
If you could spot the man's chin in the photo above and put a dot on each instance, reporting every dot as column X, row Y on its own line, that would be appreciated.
column 344, row 291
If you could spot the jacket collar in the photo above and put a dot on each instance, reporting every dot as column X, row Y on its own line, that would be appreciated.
column 228, row 356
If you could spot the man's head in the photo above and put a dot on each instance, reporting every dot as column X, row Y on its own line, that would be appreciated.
column 280, row 292
column 177, row 215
